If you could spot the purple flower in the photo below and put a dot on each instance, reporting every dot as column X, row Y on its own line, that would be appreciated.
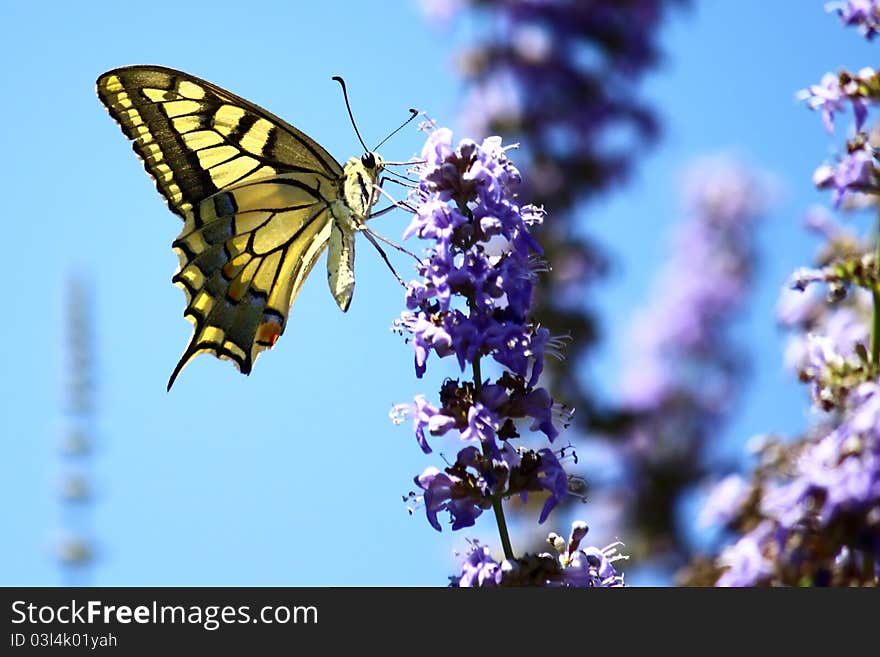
column 532, row 471
column 855, row 172
column 473, row 299
column 589, row 566
column 539, row 405
column 724, row 501
column 479, row 569
column 840, row 473
column 481, row 424
column 811, row 505
column 859, row 90
column 592, row 567
column 425, row 416
column 827, row 97
column 829, row 359
column 551, row 477
column 468, row 486
column 864, row 14
column 830, row 499
column 798, row 306
column 443, row 492
column 745, row 561
column 496, row 288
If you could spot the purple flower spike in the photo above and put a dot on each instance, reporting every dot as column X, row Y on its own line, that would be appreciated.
column 473, row 300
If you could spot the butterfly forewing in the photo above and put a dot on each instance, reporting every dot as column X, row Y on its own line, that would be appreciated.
column 196, row 138
column 259, row 199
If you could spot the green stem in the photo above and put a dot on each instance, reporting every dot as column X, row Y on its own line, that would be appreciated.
column 497, row 505
column 875, row 328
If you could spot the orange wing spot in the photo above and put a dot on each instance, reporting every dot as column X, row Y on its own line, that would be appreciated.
column 230, row 269
column 268, row 333
column 236, row 291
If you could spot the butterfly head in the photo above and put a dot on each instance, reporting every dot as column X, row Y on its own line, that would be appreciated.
column 372, row 162
column 360, row 178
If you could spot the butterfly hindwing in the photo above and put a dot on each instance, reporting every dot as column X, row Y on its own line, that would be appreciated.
column 243, row 264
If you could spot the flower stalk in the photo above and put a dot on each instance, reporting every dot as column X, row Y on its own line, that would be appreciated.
column 875, row 293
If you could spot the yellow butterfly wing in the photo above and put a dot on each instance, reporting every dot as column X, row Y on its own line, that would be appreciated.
column 255, row 195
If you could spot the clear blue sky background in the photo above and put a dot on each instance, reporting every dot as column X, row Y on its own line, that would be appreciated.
column 294, row 475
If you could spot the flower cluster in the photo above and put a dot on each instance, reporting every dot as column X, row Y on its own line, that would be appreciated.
column 820, row 524
column 856, row 170
column 809, row 513
column 473, row 302
column 480, row 256
column 572, row 565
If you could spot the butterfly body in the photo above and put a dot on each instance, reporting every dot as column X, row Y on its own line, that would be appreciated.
column 260, row 201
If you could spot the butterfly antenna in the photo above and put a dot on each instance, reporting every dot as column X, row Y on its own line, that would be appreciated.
column 350, row 115
column 413, row 114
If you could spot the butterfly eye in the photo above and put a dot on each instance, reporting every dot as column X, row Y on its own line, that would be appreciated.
column 369, row 160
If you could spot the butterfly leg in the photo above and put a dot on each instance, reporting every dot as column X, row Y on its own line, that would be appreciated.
column 401, row 180
column 403, row 205
column 370, row 235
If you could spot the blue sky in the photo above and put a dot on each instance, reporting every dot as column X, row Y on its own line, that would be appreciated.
column 294, row 475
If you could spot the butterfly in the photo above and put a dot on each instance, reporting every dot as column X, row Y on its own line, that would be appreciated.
column 260, row 201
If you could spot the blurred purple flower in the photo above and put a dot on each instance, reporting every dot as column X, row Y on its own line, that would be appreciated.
column 832, row 496
column 827, row 97
column 702, row 285
column 541, row 71
column 682, row 367
column 724, row 501
column 855, row 172
column 865, row 14
column 745, row 561
column 799, row 307
column 840, row 473
column 859, row 90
